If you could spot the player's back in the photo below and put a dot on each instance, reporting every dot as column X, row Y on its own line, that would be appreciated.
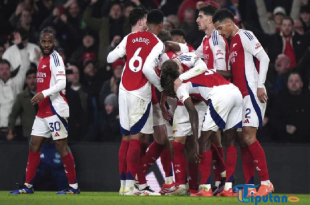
column 245, row 67
column 138, row 49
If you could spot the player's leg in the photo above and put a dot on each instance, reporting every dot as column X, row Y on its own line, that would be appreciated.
column 193, row 167
column 59, row 130
column 218, row 161
column 253, row 113
column 247, row 163
column 38, row 135
column 122, row 164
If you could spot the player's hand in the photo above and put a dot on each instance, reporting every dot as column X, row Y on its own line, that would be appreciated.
column 19, row 9
column 17, row 38
column 56, row 12
column 291, row 129
column 194, row 153
column 64, row 18
column 265, row 121
column 177, row 84
column 10, row 136
column 262, row 95
column 165, row 112
column 37, row 98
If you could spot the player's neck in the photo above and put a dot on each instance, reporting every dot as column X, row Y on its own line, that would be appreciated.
column 153, row 30
column 209, row 30
column 235, row 31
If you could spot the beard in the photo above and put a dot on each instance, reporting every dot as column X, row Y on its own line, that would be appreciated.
column 47, row 54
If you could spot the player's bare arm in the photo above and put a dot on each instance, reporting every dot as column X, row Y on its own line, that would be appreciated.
column 193, row 116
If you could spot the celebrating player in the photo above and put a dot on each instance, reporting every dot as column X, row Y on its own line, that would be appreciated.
column 52, row 116
column 143, row 50
column 249, row 77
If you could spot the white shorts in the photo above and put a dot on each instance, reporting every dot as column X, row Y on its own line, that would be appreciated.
column 224, row 110
column 55, row 126
column 136, row 115
column 181, row 123
column 158, row 118
column 253, row 111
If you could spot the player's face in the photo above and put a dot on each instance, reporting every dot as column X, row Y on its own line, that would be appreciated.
column 202, row 21
column 287, row 27
column 224, row 28
column 5, row 73
column 31, row 82
column 294, row 83
column 47, row 43
column 178, row 39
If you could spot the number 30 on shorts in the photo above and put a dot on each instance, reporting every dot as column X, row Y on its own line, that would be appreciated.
column 54, row 126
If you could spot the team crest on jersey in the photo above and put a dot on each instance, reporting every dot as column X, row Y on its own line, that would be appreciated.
column 232, row 56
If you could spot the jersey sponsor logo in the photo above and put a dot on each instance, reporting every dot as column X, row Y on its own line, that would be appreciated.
column 232, row 56
column 40, row 77
column 234, row 44
column 246, row 121
column 141, row 40
column 44, row 66
column 258, row 45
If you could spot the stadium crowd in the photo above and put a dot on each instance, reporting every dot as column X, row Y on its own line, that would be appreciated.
column 87, row 30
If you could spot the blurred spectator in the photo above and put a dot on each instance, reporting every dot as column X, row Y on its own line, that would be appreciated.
column 67, row 22
column 286, row 41
column 174, row 20
column 168, row 25
column 128, row 8
column 24, row 21
column 23, row 108
column 277, row 75
column 189, row 25
column 290, row 113
column 11, row 87
column 2, row 47
column 270, row 23
column 109, row 120
column 45, row 9
column 298, row 27
column 12, row 54
column 305, row 17
column 230, row 6
column 87, row 50
column 178, row 36
column 112, row 85
column 107, row 27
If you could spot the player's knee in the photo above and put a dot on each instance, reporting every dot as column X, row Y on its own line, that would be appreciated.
column 34, row 147
column 61, row 148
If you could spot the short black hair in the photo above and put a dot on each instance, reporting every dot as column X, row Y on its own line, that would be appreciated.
column 48, row 30
column 164, row 35
column 288, row 18
column 177, row 32
column 4, row 61
column 155, row 16
column 208, row 10
column 31, row 71
column 295, row 73
column 223, row 14
column 169, row 72
column 304, row 9
column 136, row 14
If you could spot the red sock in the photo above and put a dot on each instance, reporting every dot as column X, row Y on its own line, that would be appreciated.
column 133, row 158
column 122, row 164
column 179, row 163
column 68, row 162
column 32, row 165
column 143, row 148
column 259, row 160
column 193, row 172
column 219, row 163
column 247, row 165
column 165, row 158
column 231, row 160
column 205, row 167
column 148, row 159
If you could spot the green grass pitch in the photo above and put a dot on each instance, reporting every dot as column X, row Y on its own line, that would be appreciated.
column 107, row 198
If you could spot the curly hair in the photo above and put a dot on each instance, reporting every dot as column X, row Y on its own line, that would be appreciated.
column 169, row 72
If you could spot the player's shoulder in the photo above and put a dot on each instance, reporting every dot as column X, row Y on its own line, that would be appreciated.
column 55, row 58
column 246, row 35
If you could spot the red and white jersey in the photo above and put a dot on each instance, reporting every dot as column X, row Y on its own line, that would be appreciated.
column 245, row 67
column 199, row 87
column 212, row 48
column 143, row 50
column 51, row 69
